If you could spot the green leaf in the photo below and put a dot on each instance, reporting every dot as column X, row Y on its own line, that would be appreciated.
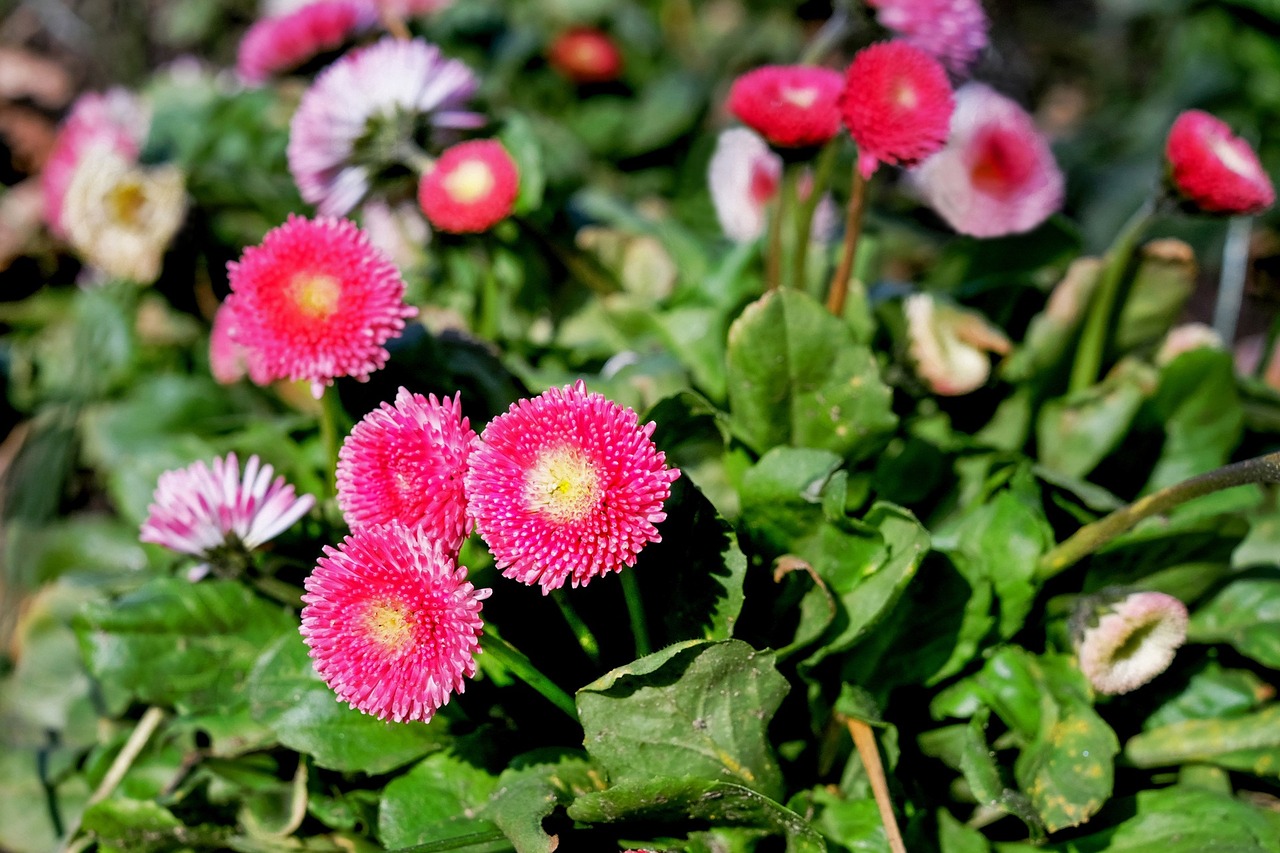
column 25, row 822
column 1075, row 433
column 1199, row 407
column 797, row 377
column 853, row 824
column 684, row 800
column 982, row 772
column 667, row 107
column 141, row 826
column 696, row 709
column 1246, row 614
column 1212, row 692
column 955, row 837
column 1250, row 743
column 287, row 696
column 520, row 140
column 528, row 793
column 1163, row 282
column 437, row 799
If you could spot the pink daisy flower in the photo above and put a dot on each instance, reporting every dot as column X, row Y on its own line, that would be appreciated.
column 567, row 487
column 316, row 301
column 743, row 176
column 996, row 175
column 413, row 8
column 115, row 120
column 1124, row 644
column 471, row 188
column 406, row 462
column 392, row 622
column 897, row 104
column 791, row 106
column 585, row 55
column 200, row 510
column 281, row 43
column 954, row 31
column 376, row 95
column 1214, row 169
column 229, row 362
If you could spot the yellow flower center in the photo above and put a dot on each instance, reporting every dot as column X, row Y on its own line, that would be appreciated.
column 905, row 96
column 802, row 98
column 316, row 294
column 389, row 626
column 562, row 485
column 470, row 182
column 125, row 201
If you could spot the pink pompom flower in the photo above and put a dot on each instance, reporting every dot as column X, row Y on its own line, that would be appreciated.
column 953, row 31
column 1214, row 169
column 996, row 175
column 215, row 512
column 373, row 99
column 406, row 463
column 1122, row 643
column 471, row 188
column 115, row 120
column 280, row 43
column 585, row 55
column 791, row 106
column 567, row 487
column 392, row 622
column 316, row 301
column 897, row 105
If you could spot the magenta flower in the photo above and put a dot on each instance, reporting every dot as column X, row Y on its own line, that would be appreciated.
column 200, row 510
column 1122, row 644
column 315, row 301
column 954, row 31
column 567, row 487
column 280, row 43
column 392, row 622
column 1214, row 169
column 996, row 175
column 406, row 463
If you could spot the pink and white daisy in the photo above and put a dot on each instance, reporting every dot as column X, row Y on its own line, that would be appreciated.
column 791, row 106
column 115, row 120
column 201, row 510
column 1122, row 644
column 744, row 176
column 392, row 622
column 316, row 301
column 471, row 188
column 567, row 487
column 380, row 95
column 897, row 105
column 954, row 31
column 1214, row 169
column 280, row 43
column 406, row 463
column 996, row 175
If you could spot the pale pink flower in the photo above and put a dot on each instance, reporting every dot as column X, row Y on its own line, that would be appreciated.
column 377, row 94
column 954, row 31
column 949, row 345
column 406, row 463
column 567, row 487
column 743, row 176
column 392, row 622
column 280, row 43
column 996, row 175
column 199, row 510
column 229, row 362
column 1122, row 644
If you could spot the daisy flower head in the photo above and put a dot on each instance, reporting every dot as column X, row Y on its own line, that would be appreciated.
column 208, row 510
column 406, row 462
column 791, row 106
column 280, row 43
column 567, row 487
column 953, row 31
column 585, row 55
column 471, row 188
column 996, row 174
column 949, row 345
column 316, row 301
column 1214, row 169
column 392, row 622
column 897, row 105
column 363, row 108
column 1124, row 643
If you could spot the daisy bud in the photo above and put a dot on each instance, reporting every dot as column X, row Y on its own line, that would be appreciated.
column 1124, row 642
column 471, row 188
column 585, row 55
column 949, row 345
column 791, row 106
column 1214, row 169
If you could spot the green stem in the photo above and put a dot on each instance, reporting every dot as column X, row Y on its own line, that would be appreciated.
column 635, row 611
column 1102, row 307
column 773, row 256
column 1091, row 537
column 518, row 665
column 804, row 213
column 586, row 639
column 490, row 294
column 331, row 415
column 1268, row 349
column 839, row 288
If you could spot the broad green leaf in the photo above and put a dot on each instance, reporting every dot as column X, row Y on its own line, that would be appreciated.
column 1075, row 433
column 437, row 799
column 696, row 709
column 1213, row 692
column 141, row 826
column 1246, row 614
column 956, row 837
column 286, row 695
column 685, row 800
column 1200, row 410
column 25, row 822
column 529, row 793
column 782, row 498
column 796, row 376
column 1250, row 743
column 667, row 107
column 982, row 772
column 852, row 824
column 1163, row 282
column 520, row 140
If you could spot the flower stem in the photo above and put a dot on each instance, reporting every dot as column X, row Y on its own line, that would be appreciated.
column 1091, row 537
column 1268, row 349
column 805, row 211
column 865, row 740
column 773, row 256
column 1097, row 325
column 330, row 414
column 518, row 665
column 839, row 288
column 635, row 610
column 586, row 639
